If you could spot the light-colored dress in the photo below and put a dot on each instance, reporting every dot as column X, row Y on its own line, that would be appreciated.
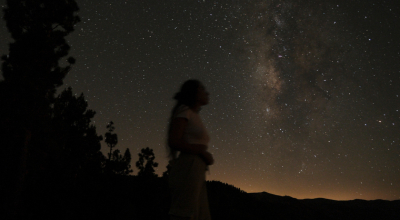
column 187, row 179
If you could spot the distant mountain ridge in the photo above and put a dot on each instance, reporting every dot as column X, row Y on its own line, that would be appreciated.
column 376, row 205
column 229, row 202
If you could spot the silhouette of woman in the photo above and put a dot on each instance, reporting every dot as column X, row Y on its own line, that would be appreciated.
column 188, row 137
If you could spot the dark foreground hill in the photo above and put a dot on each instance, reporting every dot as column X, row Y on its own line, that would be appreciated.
column 131, row 197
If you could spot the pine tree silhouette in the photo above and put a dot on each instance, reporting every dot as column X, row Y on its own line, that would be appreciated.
column 116, row 163
column 167, row 172
column 146, row 169
column 111, row 138
column 31, row 73
column 78, row 145
column 127, row 162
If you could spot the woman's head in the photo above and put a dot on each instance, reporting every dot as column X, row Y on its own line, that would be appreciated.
column 192, row 92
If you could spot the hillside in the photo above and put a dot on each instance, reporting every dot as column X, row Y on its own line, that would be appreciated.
column 131, row 197
column 330, row 209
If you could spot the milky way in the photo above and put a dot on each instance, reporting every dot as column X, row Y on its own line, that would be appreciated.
column 304, row 96
column 326, row 90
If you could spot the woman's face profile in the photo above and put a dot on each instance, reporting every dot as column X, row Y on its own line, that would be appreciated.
column 202, row 95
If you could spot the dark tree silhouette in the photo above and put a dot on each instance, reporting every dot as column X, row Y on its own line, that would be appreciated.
column 111, row 139
column 39, row 29
column 31, row 73
column 77, row 140
column 121, row 165
column 166, row 173
column 146, row 169
column 116, row 163
column 127, row 162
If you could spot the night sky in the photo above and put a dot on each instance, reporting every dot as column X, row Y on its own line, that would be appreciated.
column 304, row 97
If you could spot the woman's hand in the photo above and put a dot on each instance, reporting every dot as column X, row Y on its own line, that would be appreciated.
column 208, row 158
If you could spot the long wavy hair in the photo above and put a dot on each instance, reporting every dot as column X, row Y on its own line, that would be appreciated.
column 187, row 95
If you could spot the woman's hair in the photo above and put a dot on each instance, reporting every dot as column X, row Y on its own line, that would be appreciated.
column 187, row 95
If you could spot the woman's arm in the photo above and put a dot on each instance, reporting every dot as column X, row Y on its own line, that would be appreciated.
column 176, row 141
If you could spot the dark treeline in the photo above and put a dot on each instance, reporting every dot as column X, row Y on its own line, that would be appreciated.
column 52, row 166
column 51, row 151
column 32, row 156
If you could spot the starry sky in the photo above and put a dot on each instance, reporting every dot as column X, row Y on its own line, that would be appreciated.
column 304, row 97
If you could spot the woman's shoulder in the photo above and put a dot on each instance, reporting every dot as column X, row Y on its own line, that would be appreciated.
column 183, row 111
